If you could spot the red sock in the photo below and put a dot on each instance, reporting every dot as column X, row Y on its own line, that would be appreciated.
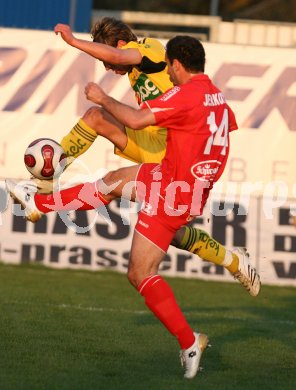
column 160, row 299
column 81, row 197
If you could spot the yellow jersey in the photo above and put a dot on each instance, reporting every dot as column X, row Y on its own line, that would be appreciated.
column 149, row 79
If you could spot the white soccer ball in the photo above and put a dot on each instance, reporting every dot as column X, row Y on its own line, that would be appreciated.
column 45, row 158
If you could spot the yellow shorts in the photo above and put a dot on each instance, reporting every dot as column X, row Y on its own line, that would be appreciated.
column 144, row 146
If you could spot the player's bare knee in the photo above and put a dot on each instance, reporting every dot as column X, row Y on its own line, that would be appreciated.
column 137, row 271
column 132, row 277
column 94, row 118
column 111, row 184
column 113, row 177
column 126, row 174
column 178, row 237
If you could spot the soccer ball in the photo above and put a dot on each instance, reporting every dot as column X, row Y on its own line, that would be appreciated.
column 45, row 158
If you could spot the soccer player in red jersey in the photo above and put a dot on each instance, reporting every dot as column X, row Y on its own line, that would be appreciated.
column 198, row 121
column 116, row 45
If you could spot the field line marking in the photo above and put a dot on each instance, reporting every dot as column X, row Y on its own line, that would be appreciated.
column 142, row 312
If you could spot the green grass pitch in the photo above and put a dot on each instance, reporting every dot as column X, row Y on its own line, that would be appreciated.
column 71, row 329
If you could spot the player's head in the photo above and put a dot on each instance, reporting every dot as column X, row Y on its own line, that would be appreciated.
column 110, row 30
column 113, row 32
column 188, row 51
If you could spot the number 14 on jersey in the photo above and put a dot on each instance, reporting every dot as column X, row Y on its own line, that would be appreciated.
column 219, row 133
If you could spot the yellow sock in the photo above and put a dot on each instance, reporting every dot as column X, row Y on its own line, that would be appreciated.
column 78, row 140
column 199, row 242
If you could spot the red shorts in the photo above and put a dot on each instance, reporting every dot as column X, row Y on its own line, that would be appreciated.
column 156, row 221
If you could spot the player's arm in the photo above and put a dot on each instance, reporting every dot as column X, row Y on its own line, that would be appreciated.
column 100, row 51
column 128, row 116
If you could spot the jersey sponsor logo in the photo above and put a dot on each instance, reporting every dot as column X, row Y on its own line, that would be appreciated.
column 206, row 170
column 145, row 225
column 170, row 93
column 145, row 89
column 214, row 99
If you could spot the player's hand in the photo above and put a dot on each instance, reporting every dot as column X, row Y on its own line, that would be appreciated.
column 94, row 93
column 66, row 33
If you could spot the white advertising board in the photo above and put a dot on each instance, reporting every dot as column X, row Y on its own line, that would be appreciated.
column 42, row 95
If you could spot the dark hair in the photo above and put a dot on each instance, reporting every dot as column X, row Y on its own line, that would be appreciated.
column 188, row 51
column 110, row 31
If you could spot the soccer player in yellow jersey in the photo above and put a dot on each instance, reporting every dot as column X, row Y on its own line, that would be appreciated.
column 115, row 44
column 118, row 48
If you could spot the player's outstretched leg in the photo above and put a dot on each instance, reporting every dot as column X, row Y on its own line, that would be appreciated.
column 95, row 121
column 23, row 193
column 236, row 262
column 84, row 196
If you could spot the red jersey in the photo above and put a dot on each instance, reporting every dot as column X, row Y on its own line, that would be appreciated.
column 198, row 121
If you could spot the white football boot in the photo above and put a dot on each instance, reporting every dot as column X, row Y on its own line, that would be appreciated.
column 190, row 357
column 23, row 193
column 246, row 274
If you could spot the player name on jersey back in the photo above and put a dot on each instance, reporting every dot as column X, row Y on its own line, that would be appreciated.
column 214, row 99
